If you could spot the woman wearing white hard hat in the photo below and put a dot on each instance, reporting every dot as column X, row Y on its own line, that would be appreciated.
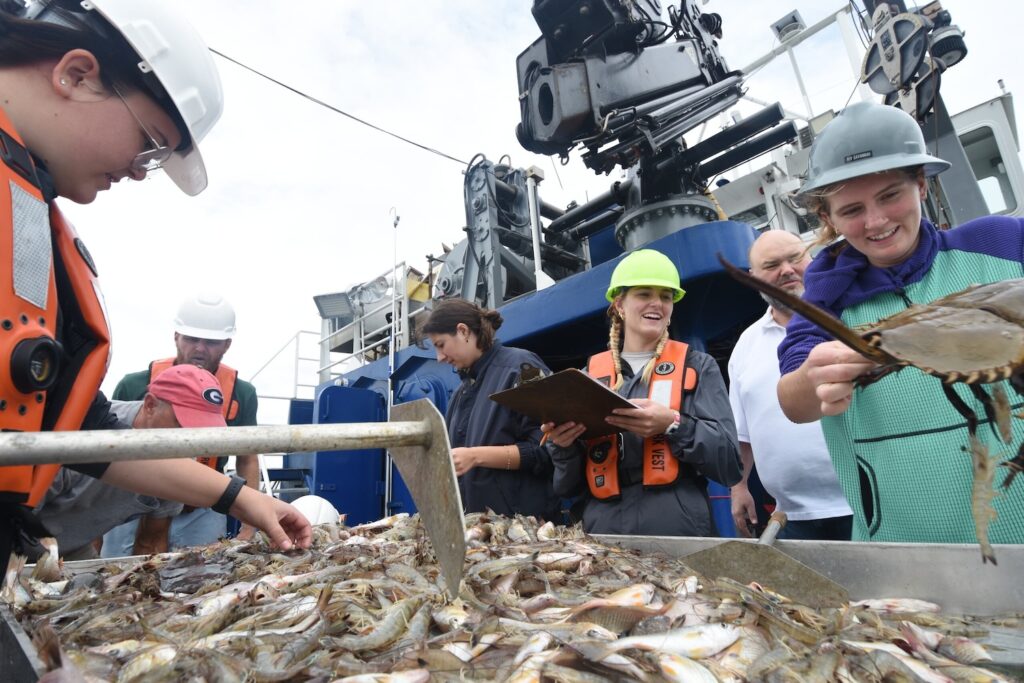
column 94, row 92
column 897, row 445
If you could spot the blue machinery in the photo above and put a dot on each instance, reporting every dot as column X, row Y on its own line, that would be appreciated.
column 563, row 324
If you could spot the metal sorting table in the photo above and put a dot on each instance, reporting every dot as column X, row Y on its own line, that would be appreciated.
column 952, row 576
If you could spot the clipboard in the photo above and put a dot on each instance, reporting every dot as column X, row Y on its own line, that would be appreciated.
column 566, row 396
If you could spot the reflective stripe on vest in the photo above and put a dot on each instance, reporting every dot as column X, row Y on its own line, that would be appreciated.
column 44, row 269
column 671, row 377
column 226, row 376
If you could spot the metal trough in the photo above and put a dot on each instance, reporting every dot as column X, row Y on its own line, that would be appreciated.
column 951, row 575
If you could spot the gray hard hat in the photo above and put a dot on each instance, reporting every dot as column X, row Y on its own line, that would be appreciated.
column 865, row 138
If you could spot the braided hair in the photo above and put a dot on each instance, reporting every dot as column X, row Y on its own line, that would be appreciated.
column 615, row 342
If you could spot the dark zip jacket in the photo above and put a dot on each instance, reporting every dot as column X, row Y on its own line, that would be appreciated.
column 475, row 420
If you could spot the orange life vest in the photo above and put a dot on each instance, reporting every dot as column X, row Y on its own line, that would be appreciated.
column 226, row 376
column 46, row 277
column 671, row 377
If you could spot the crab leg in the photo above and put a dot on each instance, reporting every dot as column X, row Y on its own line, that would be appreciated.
column 1015, row 465
column 995, row 420
column 962, row 408
column 1004, row 413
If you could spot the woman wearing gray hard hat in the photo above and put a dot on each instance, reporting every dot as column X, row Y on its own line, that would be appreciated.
column 899, row 446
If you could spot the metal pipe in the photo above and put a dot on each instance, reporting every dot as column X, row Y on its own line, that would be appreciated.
column 38, row 448
column 694, row 99
column 540, row 278
column 754, row 147
column 596, row 224
column 793, row 41
column 679, row 127
column 615, row 195
column 764, row 103
column 278, row 353
column 656, row 104
column 800, row 82
column 392, row 340
column 325, row 351
column 675, row 128
column 510, row 192
column 762, row 120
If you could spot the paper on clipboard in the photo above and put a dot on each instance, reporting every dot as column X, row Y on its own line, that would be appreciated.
column 566, row 396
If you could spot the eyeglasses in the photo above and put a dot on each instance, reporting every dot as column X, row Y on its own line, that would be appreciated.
column 155, row 155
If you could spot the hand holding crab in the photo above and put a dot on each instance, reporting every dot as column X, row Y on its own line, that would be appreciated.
column 833, row 368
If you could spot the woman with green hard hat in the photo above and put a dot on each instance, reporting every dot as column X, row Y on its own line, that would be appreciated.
column 651, row 477
column 900, row 447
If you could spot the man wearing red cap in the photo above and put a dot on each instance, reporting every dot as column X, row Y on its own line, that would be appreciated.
column 203, row 330
column 193, row 395
column 78, row 508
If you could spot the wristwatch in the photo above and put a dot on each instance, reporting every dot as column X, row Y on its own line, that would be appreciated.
column 671, row 429
column 227, row 499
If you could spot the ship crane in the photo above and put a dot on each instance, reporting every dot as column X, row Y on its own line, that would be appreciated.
column 613, row 81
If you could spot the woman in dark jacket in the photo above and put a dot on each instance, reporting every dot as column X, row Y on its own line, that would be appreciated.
column 650, row 478
column 497, row 452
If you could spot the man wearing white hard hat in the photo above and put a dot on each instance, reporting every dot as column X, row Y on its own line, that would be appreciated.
column 203, row 329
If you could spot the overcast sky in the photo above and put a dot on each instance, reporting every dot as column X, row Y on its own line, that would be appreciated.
column 299, row 197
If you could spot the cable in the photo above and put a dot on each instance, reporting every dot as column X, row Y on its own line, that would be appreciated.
column 557, row 177
column 856, row 85
column 858, row 24
column 936, row 186
column 336, row 110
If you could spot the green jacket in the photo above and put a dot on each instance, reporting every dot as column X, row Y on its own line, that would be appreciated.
column 900, row 450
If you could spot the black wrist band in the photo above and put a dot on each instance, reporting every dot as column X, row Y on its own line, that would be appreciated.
column 227, row 499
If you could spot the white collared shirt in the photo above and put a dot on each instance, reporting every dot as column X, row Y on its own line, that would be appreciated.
column 792, row 459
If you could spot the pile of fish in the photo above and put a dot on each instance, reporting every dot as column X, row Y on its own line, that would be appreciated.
column 538, row 603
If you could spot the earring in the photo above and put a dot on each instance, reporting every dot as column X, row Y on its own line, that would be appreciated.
column 63, row 81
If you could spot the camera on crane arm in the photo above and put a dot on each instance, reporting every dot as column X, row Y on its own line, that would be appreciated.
column 624, row 82
column 608, row 70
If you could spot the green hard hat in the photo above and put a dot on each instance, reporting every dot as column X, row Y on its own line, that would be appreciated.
column 645, row 268
column 866, row 138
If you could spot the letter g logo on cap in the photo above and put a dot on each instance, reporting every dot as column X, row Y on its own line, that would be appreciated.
column 214, row 396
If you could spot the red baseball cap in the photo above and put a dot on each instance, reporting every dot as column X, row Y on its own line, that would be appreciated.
column 194, row 394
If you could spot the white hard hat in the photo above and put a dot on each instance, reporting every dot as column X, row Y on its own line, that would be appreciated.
column 316, row 509
column 206, row 316
column 172, row 51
